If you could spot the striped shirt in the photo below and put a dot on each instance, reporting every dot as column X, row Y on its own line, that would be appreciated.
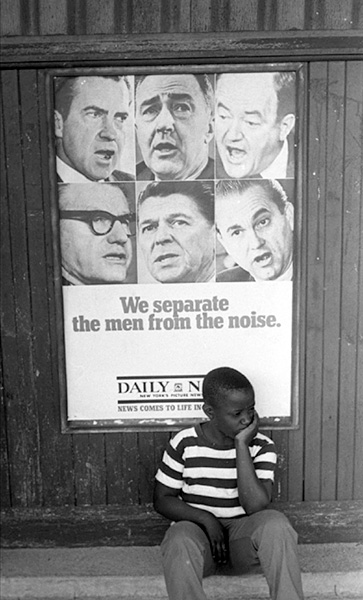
column 207, row 475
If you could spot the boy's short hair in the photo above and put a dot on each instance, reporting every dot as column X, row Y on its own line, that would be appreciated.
column 223, row 379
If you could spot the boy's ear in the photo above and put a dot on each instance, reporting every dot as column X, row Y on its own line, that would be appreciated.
column 208, row 410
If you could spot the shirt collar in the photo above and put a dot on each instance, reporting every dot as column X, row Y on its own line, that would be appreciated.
column 278, row 168
column 286, row 276
column 70, row 175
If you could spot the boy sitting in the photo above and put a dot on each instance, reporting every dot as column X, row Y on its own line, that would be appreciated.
column 215, row 482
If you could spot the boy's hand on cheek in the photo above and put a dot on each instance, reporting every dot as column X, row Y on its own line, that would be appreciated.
column 246, row 435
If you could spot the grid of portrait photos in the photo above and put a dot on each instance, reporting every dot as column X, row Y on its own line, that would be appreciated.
column 176, row 198
column 176, row 177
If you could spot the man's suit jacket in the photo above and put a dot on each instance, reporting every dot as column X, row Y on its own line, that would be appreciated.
column 234, row 274
column 115, row 176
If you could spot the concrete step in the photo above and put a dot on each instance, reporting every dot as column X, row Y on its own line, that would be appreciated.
column 328, row 570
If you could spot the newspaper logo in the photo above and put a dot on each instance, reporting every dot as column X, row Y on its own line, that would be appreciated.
column 166, row 388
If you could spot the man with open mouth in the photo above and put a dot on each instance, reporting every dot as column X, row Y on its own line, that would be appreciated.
column 96, row 230
column 255, row 224
column 93, row 128
column 174, row 125
column 255, row 118
column 176, row 231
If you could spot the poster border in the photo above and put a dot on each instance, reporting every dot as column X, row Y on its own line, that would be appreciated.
column 300, row 68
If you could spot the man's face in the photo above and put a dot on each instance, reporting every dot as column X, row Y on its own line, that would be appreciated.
column 90, row 258
column 173, row 125
column 247, row 134
column 255, row 233
column 176, row 239
column 91, row 137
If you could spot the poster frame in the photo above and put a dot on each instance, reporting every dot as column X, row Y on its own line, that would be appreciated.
column 300, row 68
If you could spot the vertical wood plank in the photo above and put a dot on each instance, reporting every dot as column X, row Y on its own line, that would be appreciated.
column 317, row 85
column 358, row 438
column 10, row 22
column 161, row 439
column 122, row 463
column 82, row 479
column 29, row 17
column 175, row 16
column 243, row 16
column 89, row 469
column 357, row 14
column 97, row 468
column 266, row 14
column 7, row 322
column 353, row 167
column 123, row 16
column 295, row 449
column 338, row 15
column 22, row 425
column 147, row 466
column 281, row 480
column 332, row 282
column 314, row 14
column 295, row 457
column 76, row 17
column 200, row 15
column 5, row 496
column 289, row 15
column 220, row 12
column 56, row 451
column 100, row 16
column 53, row 17
column 146, row 16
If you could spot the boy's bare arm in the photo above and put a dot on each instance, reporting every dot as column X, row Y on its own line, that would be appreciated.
column 168, row 504
column 254, row 495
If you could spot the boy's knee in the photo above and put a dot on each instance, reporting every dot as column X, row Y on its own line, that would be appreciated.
column 179, row 535
column 277, row 525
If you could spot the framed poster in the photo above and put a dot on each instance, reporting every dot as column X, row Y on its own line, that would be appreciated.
column 177, row 226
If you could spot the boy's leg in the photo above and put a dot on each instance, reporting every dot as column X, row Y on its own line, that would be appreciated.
column 267, row 536
column 186, row 557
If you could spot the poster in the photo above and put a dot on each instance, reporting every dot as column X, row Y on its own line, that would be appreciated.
column 176, row 207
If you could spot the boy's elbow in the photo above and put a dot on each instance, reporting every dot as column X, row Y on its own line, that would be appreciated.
column 156, row 502
column 256, row 504
column 256, row 507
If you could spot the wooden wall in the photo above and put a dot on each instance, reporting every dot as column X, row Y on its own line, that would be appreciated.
column 319, row 461
column 87, row 17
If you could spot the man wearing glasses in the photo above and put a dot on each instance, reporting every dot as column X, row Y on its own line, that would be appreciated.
column 96, row 227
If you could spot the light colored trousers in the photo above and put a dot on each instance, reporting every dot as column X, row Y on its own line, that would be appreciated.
column 265, row 538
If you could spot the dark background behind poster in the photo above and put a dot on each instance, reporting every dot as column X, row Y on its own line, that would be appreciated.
column 320, row 461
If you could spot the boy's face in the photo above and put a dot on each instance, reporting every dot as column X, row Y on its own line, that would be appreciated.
column 234, row 412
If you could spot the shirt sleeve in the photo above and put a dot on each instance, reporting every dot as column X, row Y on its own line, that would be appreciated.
column 264, row 458
column 170, row 472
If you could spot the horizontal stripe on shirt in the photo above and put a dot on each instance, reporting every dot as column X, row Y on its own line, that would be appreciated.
column 207, row 476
